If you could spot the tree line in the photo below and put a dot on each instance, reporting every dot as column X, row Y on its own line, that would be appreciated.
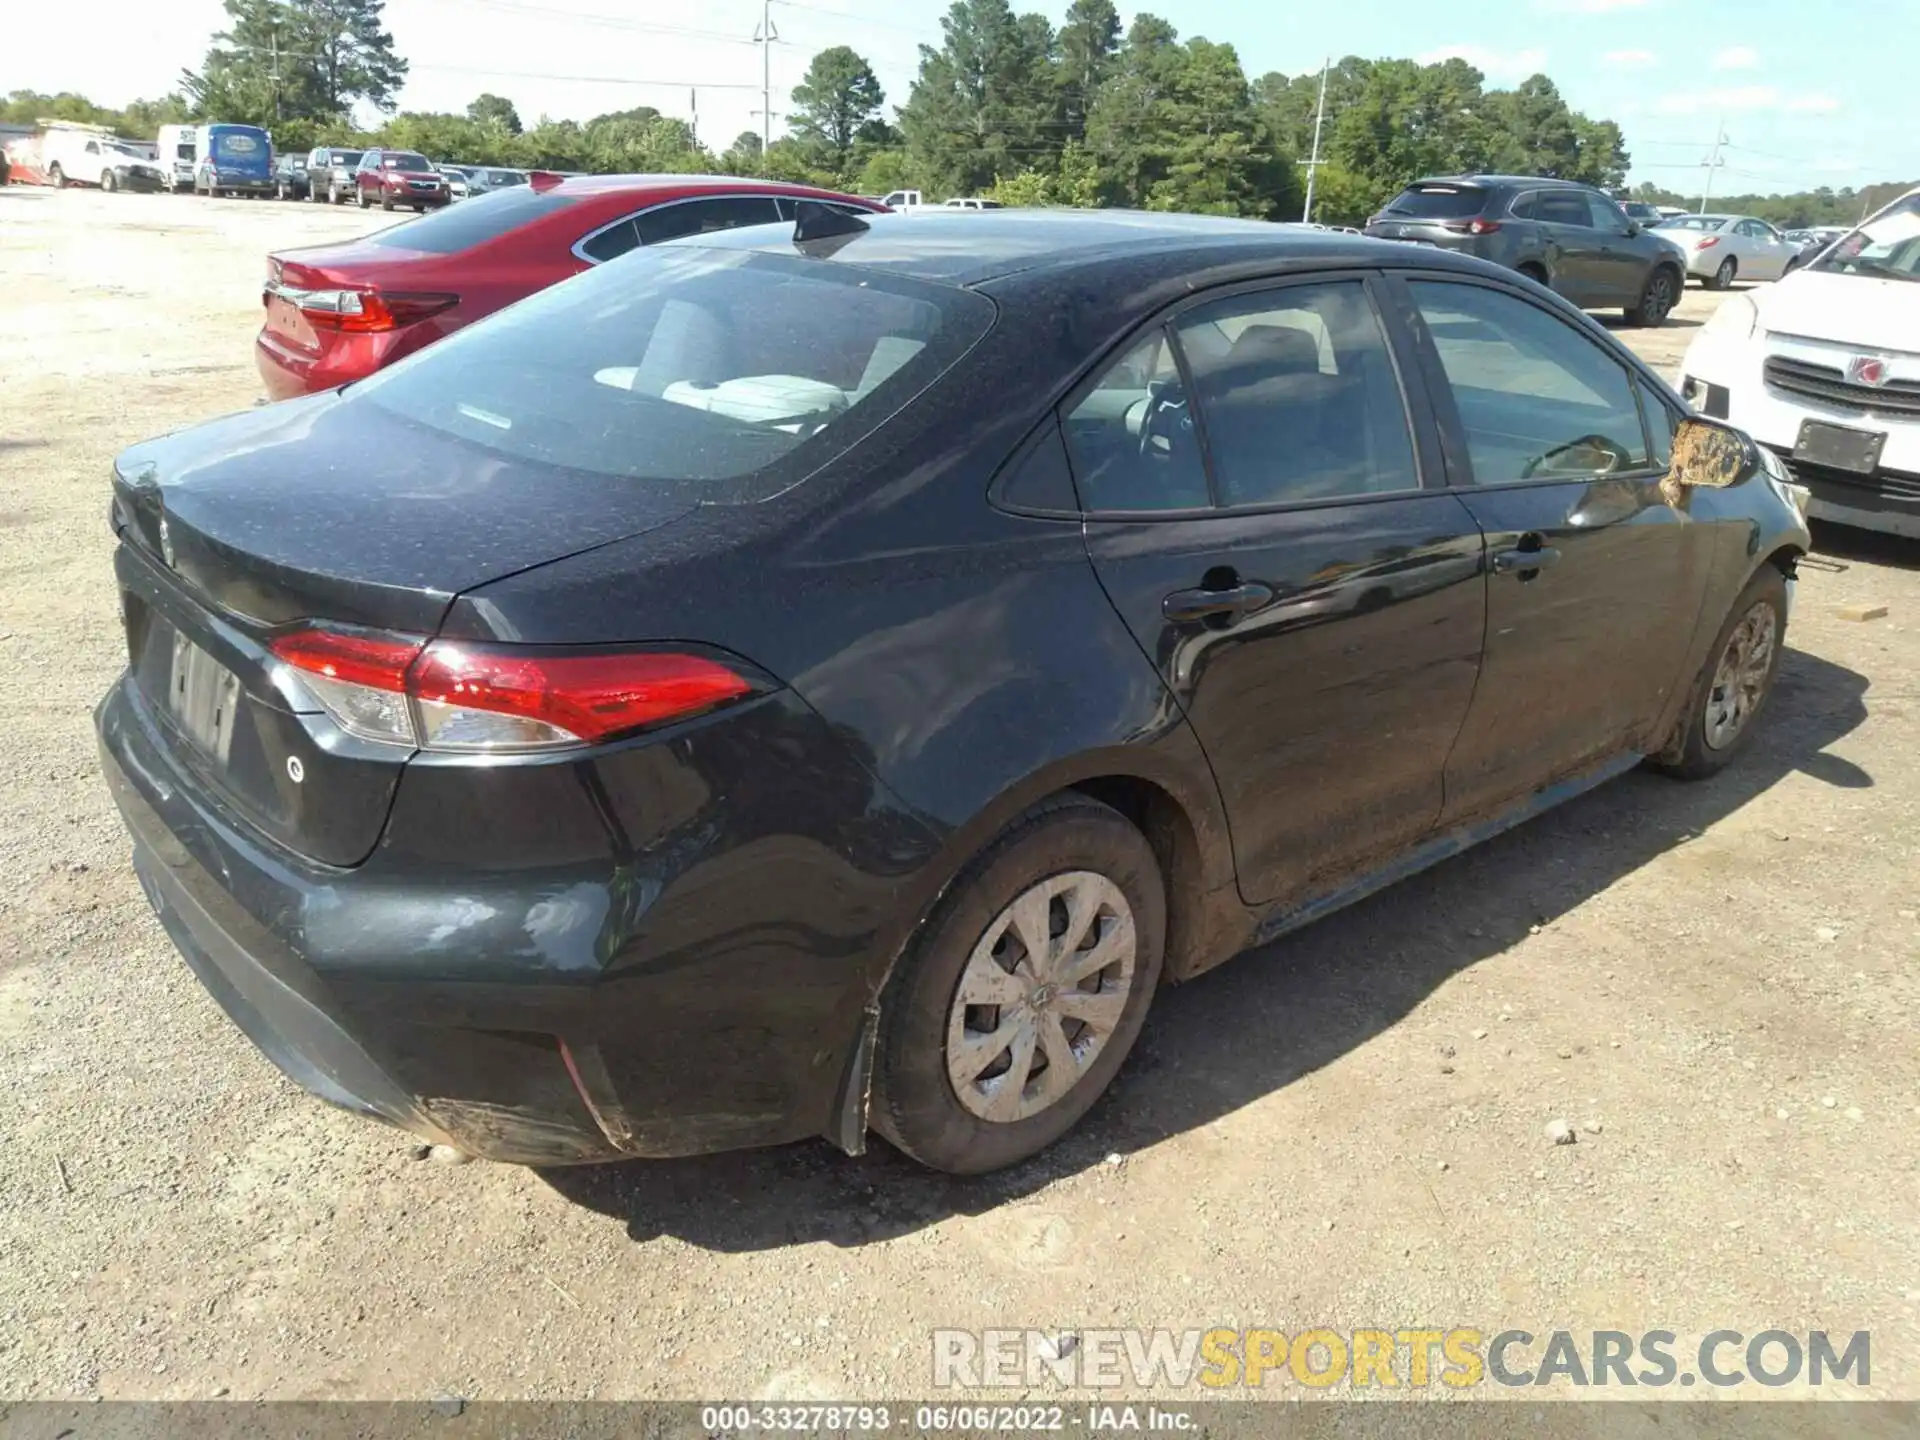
column 1007, row 105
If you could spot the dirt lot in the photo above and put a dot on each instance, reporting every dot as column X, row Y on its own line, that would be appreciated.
column 1344, row 1130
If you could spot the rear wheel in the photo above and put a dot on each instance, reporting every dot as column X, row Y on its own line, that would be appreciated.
column 1723, row 277
column 1016, row 1008
column 1536, row 273
column 1656, row 301
column 1732, row 688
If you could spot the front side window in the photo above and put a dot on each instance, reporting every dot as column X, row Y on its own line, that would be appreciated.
column 725, row 373
column 1607, row 215
column 1132, row 438
column 1298, row 396
column 1538, row 400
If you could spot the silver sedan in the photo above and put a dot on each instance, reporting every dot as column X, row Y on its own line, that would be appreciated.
column 1723, row 248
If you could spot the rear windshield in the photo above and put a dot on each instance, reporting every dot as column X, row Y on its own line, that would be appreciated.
column 730, row 373
column 472, row 222
column 1887, row 247
column 237, row 143
column 1438, row 202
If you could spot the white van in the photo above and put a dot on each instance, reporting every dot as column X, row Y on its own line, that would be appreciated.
column 75, row 154
column 179, row 153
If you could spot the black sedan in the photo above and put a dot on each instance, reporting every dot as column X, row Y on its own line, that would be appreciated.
column 808, row 679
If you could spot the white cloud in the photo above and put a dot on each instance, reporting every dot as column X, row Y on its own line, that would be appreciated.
column 1812, row 105
column 1629, row 59
column 1586, row 7
column 1737, row 57
column 1494, row 64
column 1729, row 100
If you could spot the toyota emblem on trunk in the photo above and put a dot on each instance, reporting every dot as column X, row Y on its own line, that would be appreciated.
column 1867, row 370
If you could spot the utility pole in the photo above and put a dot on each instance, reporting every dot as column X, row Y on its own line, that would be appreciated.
column 765, row 37
column 274, row 74
column 1319, row 118
column 1713, row 162
column 693, row 106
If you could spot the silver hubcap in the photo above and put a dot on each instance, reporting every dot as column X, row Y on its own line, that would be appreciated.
column 1740, row 679
column 1041, row 995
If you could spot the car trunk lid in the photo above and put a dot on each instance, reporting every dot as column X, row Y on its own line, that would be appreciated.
column 300, row 512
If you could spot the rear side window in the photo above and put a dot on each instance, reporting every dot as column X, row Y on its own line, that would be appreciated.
column 1132, row 437
column 616, row 239
column 1298, row 396
column 731, row 373
column 472, row 222
column 1538, row 400
column 1438, row 202
column 696, row 217
column 1563, row 207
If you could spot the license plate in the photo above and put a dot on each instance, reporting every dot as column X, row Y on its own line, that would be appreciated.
column 205, row 698
column 1838, row 447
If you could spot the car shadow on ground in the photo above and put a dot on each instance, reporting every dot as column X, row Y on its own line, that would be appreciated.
column 1843, row 544
column 1262, row 1021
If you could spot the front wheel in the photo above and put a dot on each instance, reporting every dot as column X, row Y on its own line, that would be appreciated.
column 1732, row 688
column 57, row 176
column 1014, row 1011
column 109, row 181
column 1656, row 301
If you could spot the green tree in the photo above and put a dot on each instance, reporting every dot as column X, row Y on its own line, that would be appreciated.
column 495, row 111
column 835, row 101
column 1088, row 43
column 1175, row 128
column 296, row 59
column 985, row 103
column 1535, row 131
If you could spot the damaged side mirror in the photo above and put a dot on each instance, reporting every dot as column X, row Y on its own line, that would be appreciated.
column 1710, row 455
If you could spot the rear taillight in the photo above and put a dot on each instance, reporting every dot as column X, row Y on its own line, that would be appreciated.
column 1707, row 242
column 449, row 695
column 1472, row 227
column 363, row 311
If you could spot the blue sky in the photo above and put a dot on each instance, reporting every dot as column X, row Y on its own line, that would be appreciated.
column 1807, row 93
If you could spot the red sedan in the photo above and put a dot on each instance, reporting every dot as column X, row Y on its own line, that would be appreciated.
column 337, row 313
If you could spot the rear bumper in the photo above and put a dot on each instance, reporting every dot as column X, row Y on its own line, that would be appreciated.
column 242, row 185
column 704, row 991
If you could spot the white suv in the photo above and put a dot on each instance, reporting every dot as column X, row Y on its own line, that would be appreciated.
column 1824, row 369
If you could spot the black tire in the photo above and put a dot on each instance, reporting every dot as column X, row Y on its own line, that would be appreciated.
column 1723, row 277
column 57, row 176
column 109, row 181
column 914, row 1102
column 1689, row 755
column 360, row 199
column 386, row 201
column 1657, row 300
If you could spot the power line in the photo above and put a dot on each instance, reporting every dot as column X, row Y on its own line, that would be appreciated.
column 617, row 22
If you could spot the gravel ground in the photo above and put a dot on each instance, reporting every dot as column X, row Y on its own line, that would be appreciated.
column 1346, row 1129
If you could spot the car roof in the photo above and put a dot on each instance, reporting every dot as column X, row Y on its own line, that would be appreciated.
column 589, row 185
column 1531, row 182
column 975, row 248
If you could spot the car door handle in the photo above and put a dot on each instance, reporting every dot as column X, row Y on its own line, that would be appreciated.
column 1184, row 606
column 1508, row 562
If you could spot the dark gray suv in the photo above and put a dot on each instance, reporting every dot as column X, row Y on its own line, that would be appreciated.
column 1566, row 236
